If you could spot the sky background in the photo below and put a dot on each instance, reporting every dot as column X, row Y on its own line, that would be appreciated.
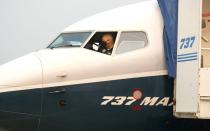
column 29, row 25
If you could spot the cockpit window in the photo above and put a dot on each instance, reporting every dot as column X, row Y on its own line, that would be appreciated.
column 102, row 42
column 131, row 40
column 70, row 40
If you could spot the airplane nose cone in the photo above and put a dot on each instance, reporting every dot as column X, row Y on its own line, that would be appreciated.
column 24, row 71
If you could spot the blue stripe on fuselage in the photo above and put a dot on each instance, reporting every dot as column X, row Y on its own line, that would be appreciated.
column 78, row 108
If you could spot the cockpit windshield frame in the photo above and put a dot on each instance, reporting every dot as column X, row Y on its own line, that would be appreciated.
column 71, row 45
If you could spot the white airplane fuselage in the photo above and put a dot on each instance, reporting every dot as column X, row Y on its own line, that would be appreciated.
column 80, row 89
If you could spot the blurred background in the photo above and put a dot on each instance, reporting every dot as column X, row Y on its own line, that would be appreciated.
column 29, row 25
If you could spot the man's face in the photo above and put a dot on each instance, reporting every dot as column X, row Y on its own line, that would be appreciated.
column 108, row 40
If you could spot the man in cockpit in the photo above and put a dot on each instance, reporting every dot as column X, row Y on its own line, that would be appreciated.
column 108, row 43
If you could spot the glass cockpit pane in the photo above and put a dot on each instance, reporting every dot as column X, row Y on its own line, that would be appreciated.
column 70, row 39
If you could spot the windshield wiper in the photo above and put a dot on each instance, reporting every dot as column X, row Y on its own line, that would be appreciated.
column 61, row 46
